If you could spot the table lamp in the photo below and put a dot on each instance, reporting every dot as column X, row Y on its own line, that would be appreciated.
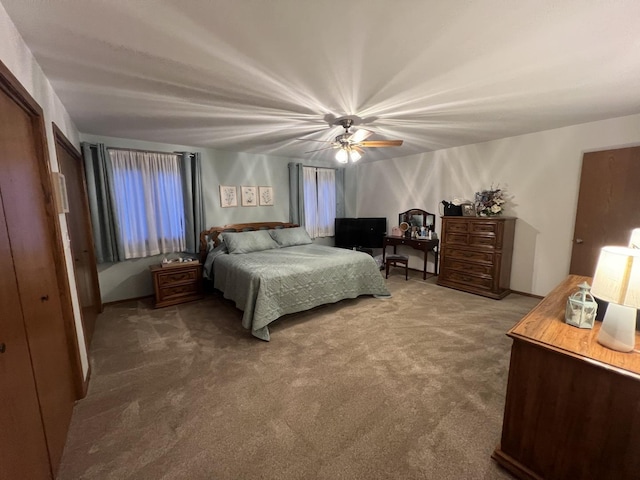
column 634, row 241
column 617, row 281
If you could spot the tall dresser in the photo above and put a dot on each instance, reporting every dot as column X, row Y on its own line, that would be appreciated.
column 475, row 254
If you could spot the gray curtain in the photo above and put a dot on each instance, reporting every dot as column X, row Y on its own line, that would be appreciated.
column 99, row 189
column 340, row 193
column 296, row 194
column 191, row 169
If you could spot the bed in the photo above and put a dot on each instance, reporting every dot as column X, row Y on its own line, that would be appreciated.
column 271, row 269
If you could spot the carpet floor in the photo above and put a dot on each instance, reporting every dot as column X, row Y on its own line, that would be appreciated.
column 410, row 387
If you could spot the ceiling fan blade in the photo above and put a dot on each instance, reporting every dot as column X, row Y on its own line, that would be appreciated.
column 380, row 143
column 358, row 149
column 359, row 135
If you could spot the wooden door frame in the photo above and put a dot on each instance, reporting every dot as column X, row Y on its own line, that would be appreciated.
column 63, row 142
column 11, row 86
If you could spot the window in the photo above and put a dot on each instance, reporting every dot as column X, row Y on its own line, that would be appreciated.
column 319, row 201
column 149, row 203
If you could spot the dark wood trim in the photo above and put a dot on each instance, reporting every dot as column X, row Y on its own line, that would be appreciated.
column 12, row 86
column 64, row 142
column 214, row 232
column 513, row 466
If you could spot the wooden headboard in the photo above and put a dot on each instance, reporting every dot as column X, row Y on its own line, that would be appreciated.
column 214, row 232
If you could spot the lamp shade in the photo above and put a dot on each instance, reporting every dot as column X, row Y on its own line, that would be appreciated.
column 617, row 276
column 342, row 156
column 634, row 241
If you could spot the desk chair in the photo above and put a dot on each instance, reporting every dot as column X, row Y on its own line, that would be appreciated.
column 394, row 260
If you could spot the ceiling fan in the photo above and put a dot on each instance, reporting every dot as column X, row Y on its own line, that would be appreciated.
column 350, row 144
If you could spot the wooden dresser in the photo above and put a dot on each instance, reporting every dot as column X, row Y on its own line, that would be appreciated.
column 475, row 254
column 572, row 409
column 177, row 283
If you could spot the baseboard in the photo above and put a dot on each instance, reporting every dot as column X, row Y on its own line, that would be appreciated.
column 124, row 300
column 513, row 466
column 528, row 294
column 85, row 383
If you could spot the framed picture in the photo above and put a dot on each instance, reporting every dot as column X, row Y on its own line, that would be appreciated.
column 265, row 195
column 228, row 196
column 249, row 196
column 468, row 210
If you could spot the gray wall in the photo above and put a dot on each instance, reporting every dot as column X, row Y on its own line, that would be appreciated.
column 539, row 171
column 131, row 278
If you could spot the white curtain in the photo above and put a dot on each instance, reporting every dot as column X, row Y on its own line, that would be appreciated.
column 326, row 202
column 149, row 202
column 319, row 201
column 310, row 201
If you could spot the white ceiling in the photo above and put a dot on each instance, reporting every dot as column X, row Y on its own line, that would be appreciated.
column 255, row 75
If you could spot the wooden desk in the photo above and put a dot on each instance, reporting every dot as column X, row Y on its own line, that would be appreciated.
column 423, row 245
column 572, row 408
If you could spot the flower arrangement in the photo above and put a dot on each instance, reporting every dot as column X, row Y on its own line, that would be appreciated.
column 490, row 202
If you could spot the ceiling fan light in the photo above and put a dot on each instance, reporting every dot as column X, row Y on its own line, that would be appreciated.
column 342, row 156
column 354, row 155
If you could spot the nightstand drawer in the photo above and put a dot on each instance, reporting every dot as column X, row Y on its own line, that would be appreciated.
column 170, row 278
column 175, row 292
column 177, row 284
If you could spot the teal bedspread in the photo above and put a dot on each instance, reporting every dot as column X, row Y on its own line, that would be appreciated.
column 268, row 284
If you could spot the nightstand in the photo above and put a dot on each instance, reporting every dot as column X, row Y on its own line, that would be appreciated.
column 177, row 283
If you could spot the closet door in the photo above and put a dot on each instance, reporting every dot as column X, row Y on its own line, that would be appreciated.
column 79, row 228
column 29, row 222
column 23, row 449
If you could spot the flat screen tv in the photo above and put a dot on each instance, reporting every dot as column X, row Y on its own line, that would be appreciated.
column 360, row 232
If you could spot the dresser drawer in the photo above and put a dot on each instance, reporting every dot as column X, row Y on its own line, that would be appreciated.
column 467, row 279
column 482, row 241
column 468, row 255
column 456, row 238
column 171, row 278
column 484, row 227
column 456, row 227
column 466, row 267
column 476, row 254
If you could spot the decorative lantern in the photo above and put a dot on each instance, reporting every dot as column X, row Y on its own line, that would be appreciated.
column 581, row 308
